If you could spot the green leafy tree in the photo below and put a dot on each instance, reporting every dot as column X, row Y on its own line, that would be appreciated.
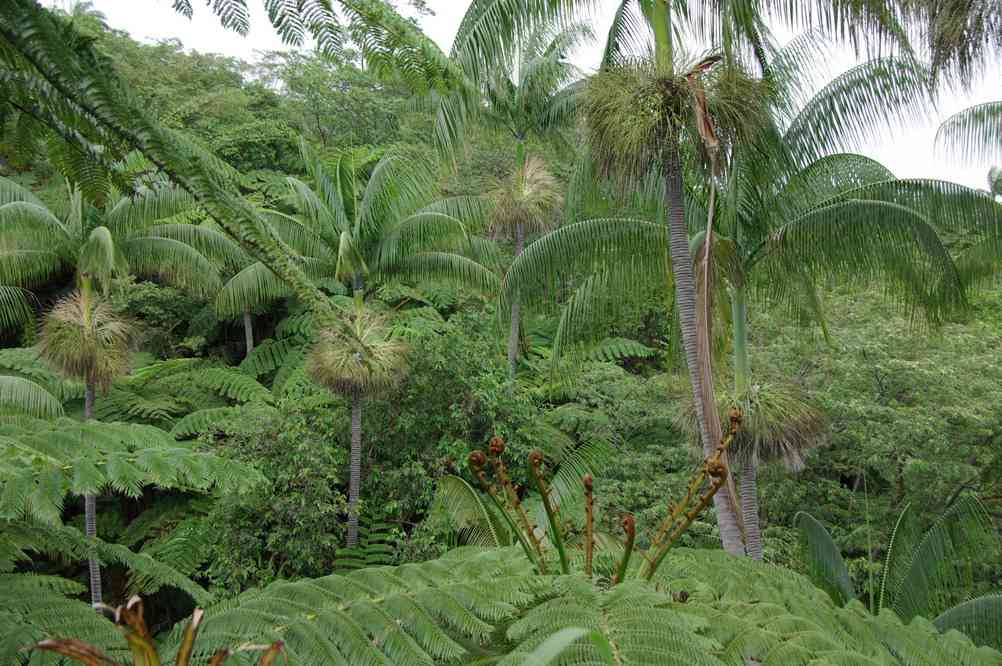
column 358, row 374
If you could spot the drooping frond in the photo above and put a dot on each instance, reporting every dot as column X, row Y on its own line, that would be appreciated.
column 528, row 199
column 253, row 287
column 15, row 308
column 211, row 419
column 876, row 96
column 635, row 249
column 825, row 565
column 928, row 574
column 864, row 239
column 980, row 619
column 173, row 261
column 470, row 514
column 450, row 268
column 974, row 133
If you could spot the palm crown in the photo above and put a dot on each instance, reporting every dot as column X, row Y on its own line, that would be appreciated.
column 139, row 232
column 361, row 219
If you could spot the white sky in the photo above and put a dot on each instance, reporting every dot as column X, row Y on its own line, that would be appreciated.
column 909, row 152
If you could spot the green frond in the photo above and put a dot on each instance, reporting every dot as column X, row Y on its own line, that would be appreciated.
column 974, row 133
column 980, row 619
column 15, row 307
column 172, row 261
column 101, row 258
column 399, row 185
column 825, row 565
column 25, row 362
column 612, row 350
column 528, row 199
column 449, row 268
column 253, row 287
column 876, row 96
column 928, row 574
column 864, row 239
column 636, row 250
column 149, row 205
column 11, row 191
column 205, row 240
column 26, row 396
column 491, row 31
column 475, row 519
column 210, row 420
column 272, row 355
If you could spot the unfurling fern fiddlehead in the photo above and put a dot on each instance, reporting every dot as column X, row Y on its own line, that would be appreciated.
column 708, row 478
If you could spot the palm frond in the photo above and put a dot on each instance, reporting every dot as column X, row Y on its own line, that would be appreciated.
column 974, row 133
column 26, row 396
column 825, row 565
column 979, row 618
column 172, row 261
column 474, row 519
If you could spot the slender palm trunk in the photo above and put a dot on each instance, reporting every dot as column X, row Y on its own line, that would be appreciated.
column 516, row 310
column 354, row 468
column 749, row 469
column 90, row 512
column 749, row 505
column 248, row 331
column 702, row 386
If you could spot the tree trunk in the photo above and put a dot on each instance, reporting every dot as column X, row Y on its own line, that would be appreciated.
column 90, row 512
column 749, row 470
column 248, row 331
column 354, row 469
column 749, row 505
column 702, row 386
column 516, row 310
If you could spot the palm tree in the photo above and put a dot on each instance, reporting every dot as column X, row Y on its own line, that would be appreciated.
column 357, row 370
column 131, row 233
column 925, row 573
column 82, row 338
column 640, row 117
column 357, row 223
column 792, row 212
column 531, row 95
column 525, row 202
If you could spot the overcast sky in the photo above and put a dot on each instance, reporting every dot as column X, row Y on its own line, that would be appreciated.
column 909, row 153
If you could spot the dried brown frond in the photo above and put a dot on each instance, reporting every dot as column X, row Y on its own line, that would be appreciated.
column 529, row 197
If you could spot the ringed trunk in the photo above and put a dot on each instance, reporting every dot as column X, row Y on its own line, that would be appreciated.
column 90, row 512
column 702, row 387
column 354, row 468
column 516, row 310
column 749, row 505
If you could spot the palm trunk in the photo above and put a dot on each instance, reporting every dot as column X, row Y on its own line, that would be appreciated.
column 749, row 470
column 90, row 512
column 516, row 310
column 702, row 382
column 354, row 468
column 749, row 505
column 248, row 331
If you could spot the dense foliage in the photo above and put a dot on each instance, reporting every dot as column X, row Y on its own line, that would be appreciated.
column 255, row 318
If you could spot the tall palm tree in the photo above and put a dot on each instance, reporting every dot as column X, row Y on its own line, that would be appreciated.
column 82, row 338
column 131, row 233
column 364, row 219
column 791, row 211
column 531, row 92
column 358, row 373
column 526, row 201
column 642, row 115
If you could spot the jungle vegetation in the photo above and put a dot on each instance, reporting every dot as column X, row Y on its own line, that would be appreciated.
column 379, row 351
